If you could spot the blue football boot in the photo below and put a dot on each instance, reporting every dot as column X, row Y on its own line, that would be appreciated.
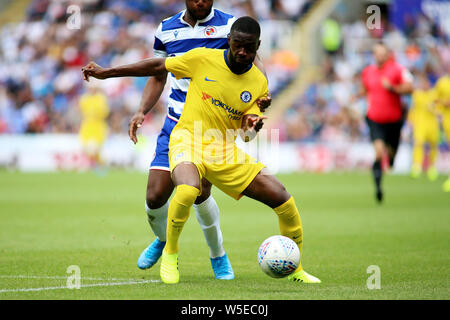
column 222, row 268
column 151, row 254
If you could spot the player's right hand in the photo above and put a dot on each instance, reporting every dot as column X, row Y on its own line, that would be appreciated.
column 264, row 103
column 135, row 123
column 93, row 70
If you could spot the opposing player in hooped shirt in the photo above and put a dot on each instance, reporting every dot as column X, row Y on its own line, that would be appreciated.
column 200, row 25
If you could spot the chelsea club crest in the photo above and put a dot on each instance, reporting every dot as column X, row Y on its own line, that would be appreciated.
column 246, row 96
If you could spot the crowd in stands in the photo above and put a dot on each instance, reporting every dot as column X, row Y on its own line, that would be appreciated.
column 331, row 110
column 41, row 58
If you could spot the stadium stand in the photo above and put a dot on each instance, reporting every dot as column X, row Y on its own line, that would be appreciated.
column 41, row 58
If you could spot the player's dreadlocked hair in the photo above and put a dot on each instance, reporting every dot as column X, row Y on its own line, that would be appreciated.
column 246, row 25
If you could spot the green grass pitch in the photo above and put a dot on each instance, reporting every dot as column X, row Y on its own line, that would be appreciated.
column 51, row 221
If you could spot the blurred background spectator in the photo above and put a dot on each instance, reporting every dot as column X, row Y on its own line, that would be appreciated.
column 330, row 109
column 41, row 58
column 40, row 61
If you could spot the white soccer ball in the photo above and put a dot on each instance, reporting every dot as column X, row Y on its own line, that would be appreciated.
column 278, row 256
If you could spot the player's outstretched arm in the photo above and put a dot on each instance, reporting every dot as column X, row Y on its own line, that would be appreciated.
column 152, row 92
column 144, row 68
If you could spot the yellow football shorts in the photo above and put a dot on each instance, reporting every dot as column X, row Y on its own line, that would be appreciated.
column 93, row 132
column 227, row 167
column 446, row 126
column 426, row 133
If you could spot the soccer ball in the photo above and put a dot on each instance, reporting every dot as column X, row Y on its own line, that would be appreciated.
column 278, row 256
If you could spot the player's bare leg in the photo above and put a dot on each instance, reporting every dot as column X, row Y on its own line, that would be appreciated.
column 380, row 150
column 267, row 189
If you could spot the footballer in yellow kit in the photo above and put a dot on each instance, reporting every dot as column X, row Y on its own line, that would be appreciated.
column 221, row 99
column 217, row 97
column 442, row 89
column 425, row 125
column 94, row 128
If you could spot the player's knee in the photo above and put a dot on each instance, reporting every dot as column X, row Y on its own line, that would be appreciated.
column 185, row 195
column 206, row 192
column 156, row 198
column 378, row 155
column 279, row 197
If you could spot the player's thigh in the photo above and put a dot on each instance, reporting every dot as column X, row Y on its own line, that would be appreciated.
column 378, row 134
column 159, row 188
column 419, row 135
column 380, row 147
column 266, row 188
column 186, row 173
column 393, row 137
column 433, row 135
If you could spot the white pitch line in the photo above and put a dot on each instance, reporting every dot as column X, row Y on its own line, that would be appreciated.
column 63, row 277
column 81, row 286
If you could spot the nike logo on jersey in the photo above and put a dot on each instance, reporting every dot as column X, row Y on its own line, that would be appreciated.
column 206, row 79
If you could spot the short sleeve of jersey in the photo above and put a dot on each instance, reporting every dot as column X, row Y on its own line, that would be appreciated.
column 186, row 65
column 254, row 108
column 159, row 49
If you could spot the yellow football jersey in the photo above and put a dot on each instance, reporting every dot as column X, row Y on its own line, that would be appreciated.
column 216, row 101
column 422, row 111
column 94, row 109
column 217, row 98
column 442, row 89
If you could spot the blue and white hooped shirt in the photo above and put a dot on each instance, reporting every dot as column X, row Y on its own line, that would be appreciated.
column 175, row 36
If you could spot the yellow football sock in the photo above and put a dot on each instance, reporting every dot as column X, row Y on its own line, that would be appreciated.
column 418, row 155
column 433, row 154
column 179, row 209
column 291, row 224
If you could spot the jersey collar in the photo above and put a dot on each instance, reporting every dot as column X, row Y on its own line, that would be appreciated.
column 209, row 17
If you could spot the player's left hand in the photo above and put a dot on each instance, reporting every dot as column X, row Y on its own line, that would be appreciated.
column 135, row 123
column 264, row 103
column 253, row 122
column 93, row 70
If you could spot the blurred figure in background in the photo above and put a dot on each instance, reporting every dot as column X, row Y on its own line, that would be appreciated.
column 425, row 124
column 94, row 129
column 331, row 36
column 442, row 89
column 384, row 82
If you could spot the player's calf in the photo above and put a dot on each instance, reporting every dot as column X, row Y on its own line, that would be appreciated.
column 267, row 189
